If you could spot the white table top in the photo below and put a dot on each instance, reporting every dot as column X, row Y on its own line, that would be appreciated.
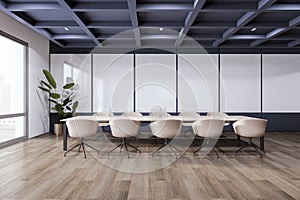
column 104, row 119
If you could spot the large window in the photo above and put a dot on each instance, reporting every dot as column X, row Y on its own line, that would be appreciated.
column 113, row 82
column 74, row 68
column 155, row 82
column 12, row 89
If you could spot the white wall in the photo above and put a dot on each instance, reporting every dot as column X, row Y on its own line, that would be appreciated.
column 38, row 59
column 281, row 83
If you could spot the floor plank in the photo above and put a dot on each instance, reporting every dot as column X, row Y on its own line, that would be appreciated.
column 36, row 169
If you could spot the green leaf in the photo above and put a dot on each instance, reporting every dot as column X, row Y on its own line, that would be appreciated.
column 68, row 85
column 52, row 101
column 66, row 101
column 74, row 106
column 59, row 108
column 44, row 89
column 54, row 95
column 50, row 78
column 46, row 84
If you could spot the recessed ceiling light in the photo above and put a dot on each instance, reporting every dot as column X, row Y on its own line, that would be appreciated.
column 161, row 29
column 66, row 28
column 253, row 29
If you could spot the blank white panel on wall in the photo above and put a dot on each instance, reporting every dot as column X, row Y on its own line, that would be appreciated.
column 78, row 67
column 155, row 82
column 113, row 82
column 240, row 83
column 198, row 82
column 281, row 83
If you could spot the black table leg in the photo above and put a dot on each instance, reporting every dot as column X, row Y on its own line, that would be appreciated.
column 238, row 140
column 262, row 143
column 65, row 138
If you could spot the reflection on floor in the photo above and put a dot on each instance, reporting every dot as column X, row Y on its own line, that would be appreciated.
column 36, row 169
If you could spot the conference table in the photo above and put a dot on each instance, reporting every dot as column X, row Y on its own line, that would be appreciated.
column 149, row 119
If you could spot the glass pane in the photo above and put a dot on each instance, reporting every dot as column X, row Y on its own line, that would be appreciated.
column 113, row 82
column 12, row 62
column 155, row 82
column 281, row 83
column 240, row 83
column 74, row 68
column 11, row 128
column 197, row 82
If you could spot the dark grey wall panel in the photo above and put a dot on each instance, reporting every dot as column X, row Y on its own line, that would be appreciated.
column 276, row 121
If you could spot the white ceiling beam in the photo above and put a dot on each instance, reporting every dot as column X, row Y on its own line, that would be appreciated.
column 164, row 7
column 71, row 36
column 284, row 7
column 294, row 43
column 103, row 6
column 56, row 24
column 32, row 6
column 68, row 10
column 134, row 21
column 42, row 32
column 246, row 18
column 276, row 32
column 191, row 17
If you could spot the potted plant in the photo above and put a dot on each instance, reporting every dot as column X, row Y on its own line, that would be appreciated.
column 63, row 99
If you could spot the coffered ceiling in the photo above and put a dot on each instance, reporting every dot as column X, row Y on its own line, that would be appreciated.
column 212, row 23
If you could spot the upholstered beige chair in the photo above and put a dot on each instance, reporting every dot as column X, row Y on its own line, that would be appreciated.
column 220, row 115
column 132, row 114
column 250, row 128
column 210, row 130
column 81, row 128
column 166, row 129
column 124, row 128
column 192, row 115
column 104, row 114
column 159, row 115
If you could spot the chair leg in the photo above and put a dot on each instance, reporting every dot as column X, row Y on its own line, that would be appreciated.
column 159, row 148
column 196, row 151
column 240, row 149
column 71, row 149
column 216, row 152
column 170, row 146
column 222, row 151
column 92, row 147
column 83, row 149
column 114, row 149
column 260, row 155
column 250, row 143
column 133, row 147
column 125, row 145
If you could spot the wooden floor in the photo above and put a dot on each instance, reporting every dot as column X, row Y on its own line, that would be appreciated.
column 36, row 169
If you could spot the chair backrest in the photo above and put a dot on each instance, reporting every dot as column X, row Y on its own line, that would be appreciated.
column 132, row 114
column 166, row 128
column 159, row 114
column 81, row 128
column 105, row 114
column 250, row 127
column 217, row 114
column 209, row 128
column 124, row 127
column 189, row 114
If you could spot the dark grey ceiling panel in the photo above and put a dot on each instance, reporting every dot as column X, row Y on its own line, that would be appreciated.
column 157, row 23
